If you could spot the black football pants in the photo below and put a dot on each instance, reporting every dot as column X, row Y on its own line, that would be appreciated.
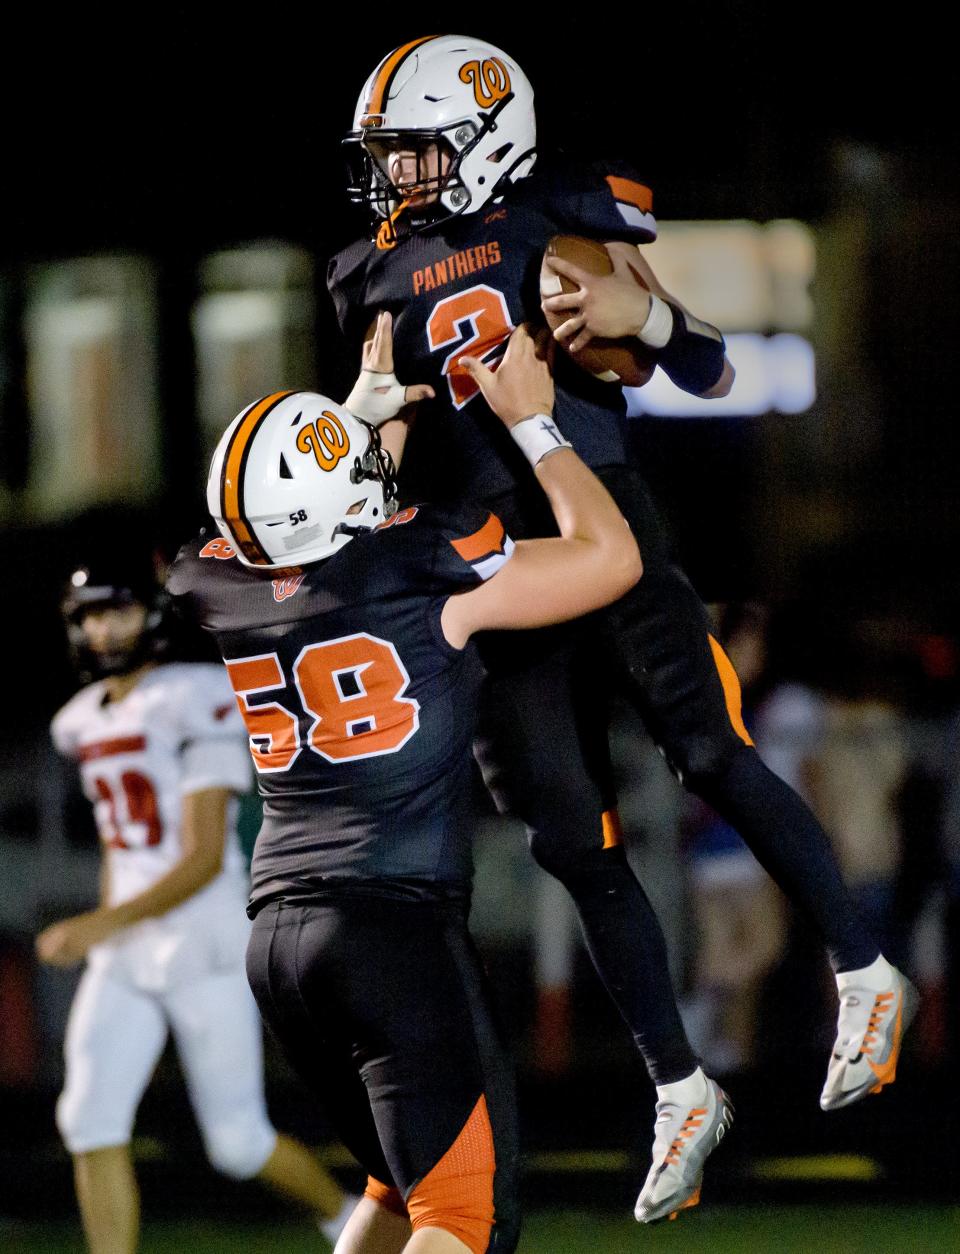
column 542, row 750
column 382, row 1008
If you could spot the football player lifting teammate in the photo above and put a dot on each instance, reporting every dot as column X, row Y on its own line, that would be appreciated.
column 162, row 754
column 445, row 159
column 358, row 692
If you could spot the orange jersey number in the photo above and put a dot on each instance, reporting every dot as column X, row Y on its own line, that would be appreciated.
column 485, row 312
column 353, row 688
column 274, row 734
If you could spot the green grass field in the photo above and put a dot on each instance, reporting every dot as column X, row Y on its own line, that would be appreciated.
column 719, row 1230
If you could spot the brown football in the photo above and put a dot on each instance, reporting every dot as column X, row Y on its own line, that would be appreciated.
column 626, row 361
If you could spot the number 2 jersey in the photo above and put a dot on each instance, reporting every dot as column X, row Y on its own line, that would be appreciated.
column 459, row 288
column 360, row 714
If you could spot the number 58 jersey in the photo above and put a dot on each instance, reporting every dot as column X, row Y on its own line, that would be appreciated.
column 359, row 713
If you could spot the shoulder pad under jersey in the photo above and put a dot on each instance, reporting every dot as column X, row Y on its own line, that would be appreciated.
column 449, row 547
column 603, row 199
column 346, row 277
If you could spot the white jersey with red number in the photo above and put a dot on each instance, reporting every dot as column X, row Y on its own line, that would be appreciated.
column 177, row 732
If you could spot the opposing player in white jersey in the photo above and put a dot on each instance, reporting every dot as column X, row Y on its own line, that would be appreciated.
column 162, row 754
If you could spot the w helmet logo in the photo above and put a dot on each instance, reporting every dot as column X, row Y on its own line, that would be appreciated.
column 325, row 439
column 490, row 80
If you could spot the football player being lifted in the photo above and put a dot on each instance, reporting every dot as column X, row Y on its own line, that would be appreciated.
column 444, row 147
column 162, row 755
column 359, row 693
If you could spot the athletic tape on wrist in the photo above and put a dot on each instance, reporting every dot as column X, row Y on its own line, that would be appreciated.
column 371, row 404
column 658, row 328
column 537, row 436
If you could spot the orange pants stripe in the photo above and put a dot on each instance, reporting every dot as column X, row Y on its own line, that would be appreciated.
column 457, row 1194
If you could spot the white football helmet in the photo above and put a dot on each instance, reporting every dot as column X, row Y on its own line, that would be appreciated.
column 462, row 95
column 294, row 477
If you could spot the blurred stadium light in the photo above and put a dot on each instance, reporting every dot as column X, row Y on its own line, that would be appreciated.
column 253, row 330
column 775, row 374
column 753, row 281
column 90, row 330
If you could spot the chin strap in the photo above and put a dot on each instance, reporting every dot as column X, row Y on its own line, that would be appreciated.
column 387, row 235
column 351, row 529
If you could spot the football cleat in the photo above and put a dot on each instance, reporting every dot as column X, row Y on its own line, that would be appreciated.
column 684, row 1137
column 870, row 1030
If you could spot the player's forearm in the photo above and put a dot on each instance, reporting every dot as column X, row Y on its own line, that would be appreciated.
column 692, row 353
column 181, row 882
column 587, row 516
column 723, row 384
column 393, row 437
column 202, row 837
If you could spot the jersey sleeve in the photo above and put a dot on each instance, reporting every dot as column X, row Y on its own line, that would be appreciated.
column 63, row 731
column 439, row 551
column 345, row 282
column 607, row 200
column 180, row 583
column 471, row 546
column 201, row 581
column 212, row 734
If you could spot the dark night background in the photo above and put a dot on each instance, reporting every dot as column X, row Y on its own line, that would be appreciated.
column 171, row 132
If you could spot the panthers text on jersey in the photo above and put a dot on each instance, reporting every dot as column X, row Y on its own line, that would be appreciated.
column 458, row 289
column 176, row 732
column 360, row 713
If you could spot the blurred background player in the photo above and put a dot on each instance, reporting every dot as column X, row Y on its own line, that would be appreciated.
column 445, row 144
column 359, row 693
column 162, row 754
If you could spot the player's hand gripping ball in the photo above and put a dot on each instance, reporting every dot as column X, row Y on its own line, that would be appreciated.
column 626, row 361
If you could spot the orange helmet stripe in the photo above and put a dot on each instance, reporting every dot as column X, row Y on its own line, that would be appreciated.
column 388, row 68
column 231, row 477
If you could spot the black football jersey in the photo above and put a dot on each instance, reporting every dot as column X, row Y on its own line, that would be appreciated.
column 458, row 289
column 360, row 714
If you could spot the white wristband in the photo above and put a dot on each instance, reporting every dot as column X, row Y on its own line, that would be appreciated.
column 538, row 436
column 658, row 328
column 376, row 397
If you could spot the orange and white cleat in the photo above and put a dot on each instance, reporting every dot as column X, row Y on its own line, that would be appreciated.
column 684, row 1137
column 869, row 1034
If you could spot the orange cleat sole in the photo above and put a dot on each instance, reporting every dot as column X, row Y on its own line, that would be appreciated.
column 692, row 1200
